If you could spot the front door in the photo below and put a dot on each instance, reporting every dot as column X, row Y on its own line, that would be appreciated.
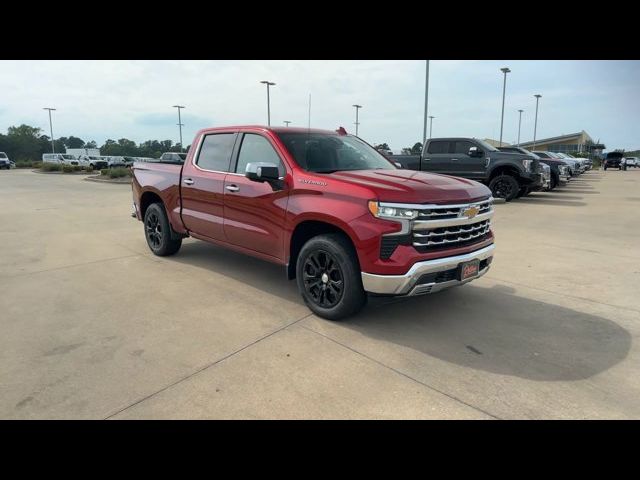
column 254, row 213
column 467, row 166
column 202, row 185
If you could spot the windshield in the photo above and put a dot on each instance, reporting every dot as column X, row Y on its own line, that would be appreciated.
column 486, row 145
column 68, row 157
column 326, row 153
column 3, row 155
column 183, row 156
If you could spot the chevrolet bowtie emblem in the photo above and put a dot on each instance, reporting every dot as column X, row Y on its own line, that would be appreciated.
column 470, row 212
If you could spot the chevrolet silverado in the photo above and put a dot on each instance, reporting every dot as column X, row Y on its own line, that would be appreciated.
column 343, row 220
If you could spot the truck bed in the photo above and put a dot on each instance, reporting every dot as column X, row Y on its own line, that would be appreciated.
column 164, row 180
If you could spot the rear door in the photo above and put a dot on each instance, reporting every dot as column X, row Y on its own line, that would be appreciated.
column 202, row 185
column 254, row 213
column 438, row 157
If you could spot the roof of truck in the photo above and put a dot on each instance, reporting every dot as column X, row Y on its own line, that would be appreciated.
column 277, row 129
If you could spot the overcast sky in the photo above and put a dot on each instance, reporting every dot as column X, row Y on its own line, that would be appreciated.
column 96, row 100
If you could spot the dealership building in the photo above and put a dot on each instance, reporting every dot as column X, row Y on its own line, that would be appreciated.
column 572, row 143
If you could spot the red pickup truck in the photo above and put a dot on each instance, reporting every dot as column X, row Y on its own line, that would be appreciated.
column 344, row 220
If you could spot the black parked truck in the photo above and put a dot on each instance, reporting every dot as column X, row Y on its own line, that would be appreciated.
column 508, row 175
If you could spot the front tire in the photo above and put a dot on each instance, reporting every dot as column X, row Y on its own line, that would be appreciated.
column 158, row 232
column 329, row 278
column 504, row 186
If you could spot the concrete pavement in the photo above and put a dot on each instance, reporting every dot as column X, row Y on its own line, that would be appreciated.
column 94, row 326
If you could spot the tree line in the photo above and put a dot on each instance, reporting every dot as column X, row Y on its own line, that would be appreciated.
column 415, row 150
column 27, row 144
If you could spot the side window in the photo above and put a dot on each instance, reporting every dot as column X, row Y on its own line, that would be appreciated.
column 439, row 146
column 463, row 147
column 256, row 148
column 215, row 152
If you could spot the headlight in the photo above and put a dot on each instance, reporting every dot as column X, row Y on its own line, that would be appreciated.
column 527, row 165
column 382, row 211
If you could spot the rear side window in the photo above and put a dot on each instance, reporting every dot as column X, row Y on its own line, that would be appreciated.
column 256, row 148
column 215, row 152
column 463, row 147
column 439, row 146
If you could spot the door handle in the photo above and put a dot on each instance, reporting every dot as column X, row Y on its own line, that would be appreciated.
column 454, row 159
column 232, row 188
column 426, row 159
column 188, row 181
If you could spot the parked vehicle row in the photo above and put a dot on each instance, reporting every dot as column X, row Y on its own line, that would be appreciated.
column 509, row 172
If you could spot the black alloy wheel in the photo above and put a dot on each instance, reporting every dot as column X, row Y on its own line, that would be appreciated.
column 323, row 279
column 153, row 230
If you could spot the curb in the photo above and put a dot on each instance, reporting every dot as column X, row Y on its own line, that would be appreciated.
column 100, row 180
column 60, row 173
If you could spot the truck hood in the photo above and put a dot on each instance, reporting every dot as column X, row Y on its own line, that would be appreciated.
column 409, row 186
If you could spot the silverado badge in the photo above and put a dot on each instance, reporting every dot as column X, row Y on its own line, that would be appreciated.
column 470, row 212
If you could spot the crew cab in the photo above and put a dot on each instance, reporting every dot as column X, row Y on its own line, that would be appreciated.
column 508, row 175
column 342, row 219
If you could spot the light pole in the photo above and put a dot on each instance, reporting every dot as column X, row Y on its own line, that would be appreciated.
column 268, row 84
column 287, row 122
column 426, row 104
column 180, row 124
column 358, row 107
column 504, row 89
column 535, row 125
column 53, row 150
column 519, row 124
column 431, row 117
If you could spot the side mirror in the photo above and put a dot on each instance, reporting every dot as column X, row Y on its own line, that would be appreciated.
column 398, row 164
column 262, row 172
column 475, row 152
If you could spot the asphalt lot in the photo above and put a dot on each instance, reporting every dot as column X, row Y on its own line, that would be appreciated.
column 92, row 325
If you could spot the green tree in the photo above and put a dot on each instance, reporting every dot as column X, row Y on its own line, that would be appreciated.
column 382, row 146
column 91, row 144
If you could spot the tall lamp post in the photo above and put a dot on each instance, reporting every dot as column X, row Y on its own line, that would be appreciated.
column 431, row 117
column 535, row 125
column 53, row 149
column 519, row 124
column 426, row 104
column 504, row 90
column 358, row 107
column 287, row 122
column 180, row 124
column 268, row 84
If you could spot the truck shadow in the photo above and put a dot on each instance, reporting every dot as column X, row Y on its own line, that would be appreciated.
column 495, row 330
column 490, row 329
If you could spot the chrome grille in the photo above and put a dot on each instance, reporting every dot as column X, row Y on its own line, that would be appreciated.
column 451, row 234
column 437, row 212
column 441, row 226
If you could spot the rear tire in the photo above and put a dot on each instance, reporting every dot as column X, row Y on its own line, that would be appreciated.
column 329, row 278
column 160, row 237
column 504, row 186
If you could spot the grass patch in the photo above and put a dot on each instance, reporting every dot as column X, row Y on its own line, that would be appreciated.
column 51, row 167
column 119, row 172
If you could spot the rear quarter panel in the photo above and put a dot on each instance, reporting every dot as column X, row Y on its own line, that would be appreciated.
column 162, row 180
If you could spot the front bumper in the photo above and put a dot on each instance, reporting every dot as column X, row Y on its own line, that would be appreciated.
column 417, row 280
